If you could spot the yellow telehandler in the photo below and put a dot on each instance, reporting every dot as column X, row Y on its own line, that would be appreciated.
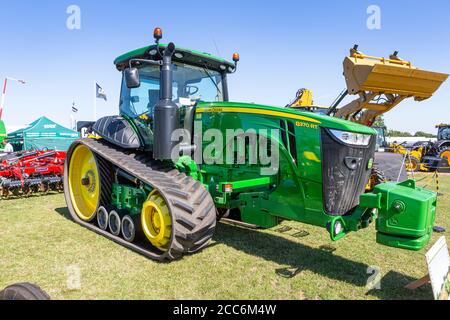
column 426, row 155
column 380, row 84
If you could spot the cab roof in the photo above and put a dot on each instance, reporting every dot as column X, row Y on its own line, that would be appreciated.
column 183, row 55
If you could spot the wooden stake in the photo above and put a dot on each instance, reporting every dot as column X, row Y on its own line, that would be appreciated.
column 419, row 283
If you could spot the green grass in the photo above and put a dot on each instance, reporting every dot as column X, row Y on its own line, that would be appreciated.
column 39, row 244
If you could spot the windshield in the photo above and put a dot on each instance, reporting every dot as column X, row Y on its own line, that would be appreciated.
column 444, row 133
column 189, row 82
column 381, row 139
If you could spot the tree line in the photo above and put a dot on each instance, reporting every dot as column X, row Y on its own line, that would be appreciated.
column 395, row 133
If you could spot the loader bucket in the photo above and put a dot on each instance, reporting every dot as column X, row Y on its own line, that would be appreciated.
column 390, row 76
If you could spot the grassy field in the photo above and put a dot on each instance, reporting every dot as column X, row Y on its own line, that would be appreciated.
column 39, row 244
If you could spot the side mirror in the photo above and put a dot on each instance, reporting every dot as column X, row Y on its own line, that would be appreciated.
column 132, row 78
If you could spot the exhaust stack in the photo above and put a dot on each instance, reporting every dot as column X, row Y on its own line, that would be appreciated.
column 166, row 112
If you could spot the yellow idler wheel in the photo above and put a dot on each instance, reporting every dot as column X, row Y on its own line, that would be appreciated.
column 156, row 221
column 84, row 183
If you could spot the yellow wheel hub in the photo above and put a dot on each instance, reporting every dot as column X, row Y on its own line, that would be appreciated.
column 84, row 183
column 411, row 166
column 156, row 221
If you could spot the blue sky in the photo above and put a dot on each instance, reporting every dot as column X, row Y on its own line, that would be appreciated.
column 284, row 46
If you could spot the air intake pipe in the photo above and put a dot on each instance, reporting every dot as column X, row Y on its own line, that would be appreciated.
column 166, row 112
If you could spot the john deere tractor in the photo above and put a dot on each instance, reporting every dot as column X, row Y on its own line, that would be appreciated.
column 181, row 156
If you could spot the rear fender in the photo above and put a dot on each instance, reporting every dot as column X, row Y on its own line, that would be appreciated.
column 443, row 143
column 118, row 131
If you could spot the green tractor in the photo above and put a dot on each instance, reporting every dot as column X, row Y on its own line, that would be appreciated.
column 181, row 156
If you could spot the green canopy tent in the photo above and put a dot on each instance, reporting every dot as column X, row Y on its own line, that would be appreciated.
column 43, row 134
column 2, row 132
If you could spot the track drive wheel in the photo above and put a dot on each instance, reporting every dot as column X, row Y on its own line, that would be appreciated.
column 172, row 230
column 156, row 221
column 84, row 183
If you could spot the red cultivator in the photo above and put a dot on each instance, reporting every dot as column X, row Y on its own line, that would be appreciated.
column 25, row 173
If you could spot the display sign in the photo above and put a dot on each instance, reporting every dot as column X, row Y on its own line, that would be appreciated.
column 438, row 260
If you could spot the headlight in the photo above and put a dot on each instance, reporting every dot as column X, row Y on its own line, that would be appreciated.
column 352, row 138
column 338, row 228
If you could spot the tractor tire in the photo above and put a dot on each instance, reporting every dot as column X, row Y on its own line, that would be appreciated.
column 444, row 153
column 178, row 218
column 23, row 291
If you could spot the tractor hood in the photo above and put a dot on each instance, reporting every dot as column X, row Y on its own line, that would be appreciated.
column 272, row 111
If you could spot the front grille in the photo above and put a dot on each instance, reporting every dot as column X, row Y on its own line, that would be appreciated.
column 342, row 186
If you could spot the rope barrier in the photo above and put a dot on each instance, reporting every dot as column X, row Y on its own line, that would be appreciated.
column 403, row 166
column 432, row 178
column 422, row 179
column 435, row 176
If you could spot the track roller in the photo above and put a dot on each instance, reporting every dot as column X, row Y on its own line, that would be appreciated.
column 102, row 218
column 131, row 228
column 114, row 223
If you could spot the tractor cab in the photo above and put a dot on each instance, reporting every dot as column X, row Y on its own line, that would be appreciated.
column 193, row 82
column 161, row 87
column 443, row 132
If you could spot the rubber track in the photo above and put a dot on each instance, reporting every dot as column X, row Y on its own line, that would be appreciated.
column 190, row 204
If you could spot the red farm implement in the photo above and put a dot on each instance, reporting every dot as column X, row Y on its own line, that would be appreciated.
column 30, row 172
